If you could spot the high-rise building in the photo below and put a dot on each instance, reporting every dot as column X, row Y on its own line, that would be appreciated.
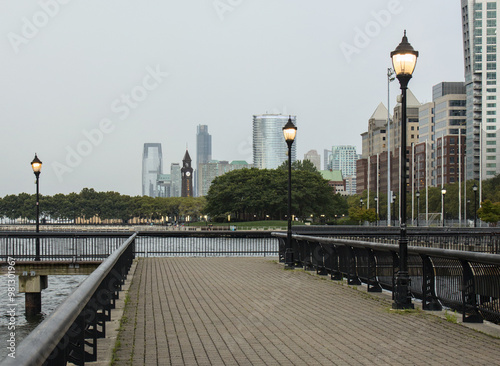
column 214, row 168
column 151, row 167
column 313, row 157
column 176, row 180
column 344, row 158
column 327, row 159
column 374, row 140
column 203, row 153
column 480, row 38
column 269, row 146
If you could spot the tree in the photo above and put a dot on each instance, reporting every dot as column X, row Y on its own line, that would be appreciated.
column 256, row 193
column 489, row 212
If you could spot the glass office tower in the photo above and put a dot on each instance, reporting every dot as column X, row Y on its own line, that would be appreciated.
column 269, row 146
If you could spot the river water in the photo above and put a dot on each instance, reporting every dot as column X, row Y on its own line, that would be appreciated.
column 59, row 287
column 58, row 290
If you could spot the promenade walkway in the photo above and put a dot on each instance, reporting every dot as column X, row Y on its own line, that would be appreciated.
column 250, row 311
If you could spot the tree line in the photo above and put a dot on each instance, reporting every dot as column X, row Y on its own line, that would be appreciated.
column 90, row 204
column 251, row 194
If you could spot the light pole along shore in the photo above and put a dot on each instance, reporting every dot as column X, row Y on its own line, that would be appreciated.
column 404, row 59
column 289, row 131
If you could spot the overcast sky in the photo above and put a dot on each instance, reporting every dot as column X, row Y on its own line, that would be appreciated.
column 85, row 84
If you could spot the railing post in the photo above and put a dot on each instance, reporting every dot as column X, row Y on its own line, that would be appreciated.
column 373, row 284
column 429, row 299
column 469, row 301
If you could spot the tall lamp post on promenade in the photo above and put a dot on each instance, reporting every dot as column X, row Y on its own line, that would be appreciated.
column 404, row 59
column 474, row 188
column 443, row 193
column 289, row 131
column 393, row 197
column 418, row 204
column 36, row 164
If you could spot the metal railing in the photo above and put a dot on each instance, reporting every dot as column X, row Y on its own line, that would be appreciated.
column 98, row 246
column 462, row 280
column 206, row 243
column 70, row 333
column 485, row 240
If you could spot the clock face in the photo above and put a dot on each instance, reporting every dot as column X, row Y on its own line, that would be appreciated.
column 188, row 174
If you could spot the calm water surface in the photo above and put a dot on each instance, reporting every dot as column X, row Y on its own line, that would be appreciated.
column 58, row 290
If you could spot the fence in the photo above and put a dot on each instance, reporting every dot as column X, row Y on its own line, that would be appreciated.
column 462, row 280
column 70, row 333
column 98, row 246
column 475, row 240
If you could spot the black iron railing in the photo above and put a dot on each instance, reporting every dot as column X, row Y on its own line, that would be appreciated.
column 70, row 333
column 462, row 280
column 485, row 240
column 98, row 246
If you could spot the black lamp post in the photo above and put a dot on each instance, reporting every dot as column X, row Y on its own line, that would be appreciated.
column 360, row 203
column 394, row 209
column 289, row 131
column 474, row 188
column 404, row 59
column 443, row 193
column 418, row 204
column 376, row 203
column 36, row 164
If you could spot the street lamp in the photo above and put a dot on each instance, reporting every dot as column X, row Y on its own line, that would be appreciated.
column 443, row 193
column 418, row 204
column 474, row 188
column 289, row 131
column 360, row 203
column 393, row 208
column 376, row 203
column 404, row 59
column 36, row 164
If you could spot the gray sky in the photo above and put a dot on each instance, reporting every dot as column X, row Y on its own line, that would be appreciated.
column 85, row 84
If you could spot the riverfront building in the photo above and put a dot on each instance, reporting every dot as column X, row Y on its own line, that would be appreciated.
column 480, row 40
column 269, row 146
column 151, row 167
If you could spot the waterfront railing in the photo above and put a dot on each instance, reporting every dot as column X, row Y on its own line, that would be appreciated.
column 70, row 333
column 461, row 280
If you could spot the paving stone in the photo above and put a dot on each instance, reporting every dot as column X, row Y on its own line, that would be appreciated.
column 250, row 311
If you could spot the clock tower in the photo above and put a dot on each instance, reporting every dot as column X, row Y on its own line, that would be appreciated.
column 187, row 176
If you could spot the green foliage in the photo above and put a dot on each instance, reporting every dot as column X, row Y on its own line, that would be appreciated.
column 249, row 194
column 489, row 212
column 105, row 205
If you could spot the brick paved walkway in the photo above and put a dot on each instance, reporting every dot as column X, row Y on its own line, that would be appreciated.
column 250, row 311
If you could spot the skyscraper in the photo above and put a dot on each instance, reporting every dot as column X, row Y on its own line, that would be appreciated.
column 344, row 158
column 203, row 153
column 151, row 167
column 269, row 146
column 480, row 28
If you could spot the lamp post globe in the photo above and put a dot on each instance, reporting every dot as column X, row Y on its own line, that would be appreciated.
column 404, row 60
column 36, row 165
column 289, row 132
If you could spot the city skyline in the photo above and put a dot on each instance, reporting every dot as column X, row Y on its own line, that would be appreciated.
column 86, row 98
